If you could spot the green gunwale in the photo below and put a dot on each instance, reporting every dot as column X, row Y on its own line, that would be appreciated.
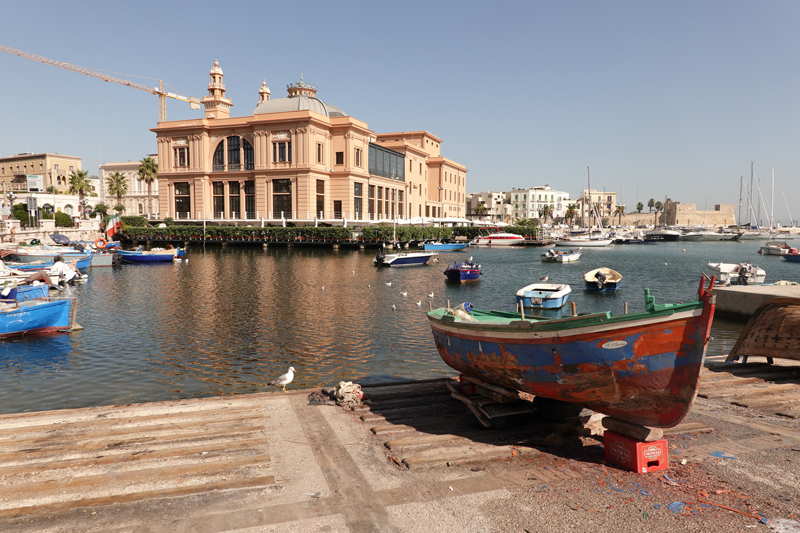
column 515, row 321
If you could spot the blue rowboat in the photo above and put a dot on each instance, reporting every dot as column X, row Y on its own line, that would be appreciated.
column 443, row 246
column 34, row 317
column 643, row 368
column 80, row 263
column 152, row 256
column 793, row 257
column 403, row 259
column 463, row 272
column 544, row 295
column 22, row 293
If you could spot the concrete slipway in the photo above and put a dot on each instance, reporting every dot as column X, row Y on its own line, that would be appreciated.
column 408, row 462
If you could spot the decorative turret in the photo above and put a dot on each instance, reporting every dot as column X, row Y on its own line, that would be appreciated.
column 217, row 106
column 263, row 93
column 301, row 89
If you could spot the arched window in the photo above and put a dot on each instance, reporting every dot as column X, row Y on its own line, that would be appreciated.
column 219, row 157
column 141, row 209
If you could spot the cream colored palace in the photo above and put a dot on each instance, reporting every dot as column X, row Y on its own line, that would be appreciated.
column 299, row 158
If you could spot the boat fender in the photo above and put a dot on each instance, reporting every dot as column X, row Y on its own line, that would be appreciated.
column 100, row 243
column 466, row 306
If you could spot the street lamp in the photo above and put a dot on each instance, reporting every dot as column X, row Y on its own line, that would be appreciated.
column 441, row 209
column 11, row 197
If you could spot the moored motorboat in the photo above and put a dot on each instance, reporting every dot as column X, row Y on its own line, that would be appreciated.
column 602, row 279
column 793, row 256
column 500, row 239
column 544, row 295
column 737, row 274
column 584, row 242
column 464, row 271
column 156, row 255
column 664, row 234
column 557, row 256
column 643, row 368
column 774, row 248
column 403, row 259
column 443, row 246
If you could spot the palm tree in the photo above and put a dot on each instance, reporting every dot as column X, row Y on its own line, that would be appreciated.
column 79, row 184
column 481, row 209
column 118, row 186
column 659, row 206
column 650, row 204
column 620, row 210
column 571, row 213
column 545, row 212
column 639, row 207
column 148, row 172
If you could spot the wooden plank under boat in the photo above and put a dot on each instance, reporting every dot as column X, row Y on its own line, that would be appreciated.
column 643, row 367
column 772, row 332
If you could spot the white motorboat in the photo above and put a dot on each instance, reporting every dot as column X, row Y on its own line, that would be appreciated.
column 583, row 242
column 741, row 274
column 500, row 239
column 544, row 295
column 663, row 234
column 774, row 248
column 567, row 256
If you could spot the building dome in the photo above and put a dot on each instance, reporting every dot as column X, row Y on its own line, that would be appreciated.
column 302, row 97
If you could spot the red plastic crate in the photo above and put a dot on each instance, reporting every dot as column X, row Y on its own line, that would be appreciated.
column 635, row 455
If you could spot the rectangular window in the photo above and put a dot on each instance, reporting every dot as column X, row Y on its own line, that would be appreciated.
column 282, row 198
column 357, row 188
column 250, row 199
column 358, row 157
column 410, row 166
column 282, row 151
column 319, row 152
column 234, row 155
column 218, row 189
column 371, row 200
column 380, row 200
column 183, row 203
column 70, row 169
column 400, row 204
column 320, row 199
column 358, row 207
column 181, row 157
column 340, row 158
column 234, row 200
column 337, row 209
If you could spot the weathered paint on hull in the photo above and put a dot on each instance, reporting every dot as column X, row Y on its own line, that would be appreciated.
column 36, row 317
column 644, row 373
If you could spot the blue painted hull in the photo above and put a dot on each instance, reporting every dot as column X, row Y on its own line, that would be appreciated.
column 462, row 273
column 150, row 257
column 84, row 262
column 24, row 293
column 607, row 287
column 794, row 258
column 543, row 303
column 643, row 368
column 35, row 317
column 443, row 247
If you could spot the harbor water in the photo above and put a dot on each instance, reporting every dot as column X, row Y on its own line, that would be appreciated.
column 229, row 320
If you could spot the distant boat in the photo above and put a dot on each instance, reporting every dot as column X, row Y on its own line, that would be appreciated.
column 794, row 256
column 643, row 368
column 664, row 234
column 34, row 317
column 500, row 239
column 464, row 271
column 774, row 248
column 602, row 279
column 557, row 256
column 79, row 262
column 443, row 246
column 403, row 259
column 741, row 274
column 152, row 256
column 584, row 242
column 544, row 295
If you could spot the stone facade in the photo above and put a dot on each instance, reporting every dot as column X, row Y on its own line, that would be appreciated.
column 136, row 200
column 54, row 169
column 299, row 158
column 680, row 214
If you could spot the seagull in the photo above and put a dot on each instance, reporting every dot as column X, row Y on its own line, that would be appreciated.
column 665, row 263
column 284, row 379
column 394, row 307
column 405, row 294
column 354, row 271
column 430, row 295
column 419, row 303
column 369, row 286
column 323, row 287
column 389, row 284
column 543, row 279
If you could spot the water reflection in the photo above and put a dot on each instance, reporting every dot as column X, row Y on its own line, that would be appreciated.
column 230, row 320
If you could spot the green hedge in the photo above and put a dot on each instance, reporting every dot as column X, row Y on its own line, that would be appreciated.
column 240, row 232
column 63, row 220
column 405, row 233
column 134, row 221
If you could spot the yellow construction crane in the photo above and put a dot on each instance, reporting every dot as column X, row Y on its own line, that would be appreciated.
column 194, row 103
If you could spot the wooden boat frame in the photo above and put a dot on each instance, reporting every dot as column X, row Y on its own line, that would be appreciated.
column 773, row 331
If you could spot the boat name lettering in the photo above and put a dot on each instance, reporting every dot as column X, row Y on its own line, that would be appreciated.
column 610, row 345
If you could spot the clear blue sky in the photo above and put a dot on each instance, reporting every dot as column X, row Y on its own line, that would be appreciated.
column 658, row 98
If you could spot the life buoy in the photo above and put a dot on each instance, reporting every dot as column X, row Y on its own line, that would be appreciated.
column 100, row 243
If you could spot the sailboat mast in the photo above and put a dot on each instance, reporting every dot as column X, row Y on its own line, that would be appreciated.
column 791, row 220
column 591, row 212
column 741, row 184
column 772, row 201
column 750, row 195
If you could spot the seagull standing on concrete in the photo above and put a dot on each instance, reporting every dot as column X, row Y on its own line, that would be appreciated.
column 430, row 295
column 404, row 293
column 389, row 284
column 284, row 379
column 543, row 279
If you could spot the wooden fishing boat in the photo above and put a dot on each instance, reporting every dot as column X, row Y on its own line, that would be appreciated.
column 152, row 256
column 34, row 317
column 602, row 279
column 643, row 368
column 772, row 331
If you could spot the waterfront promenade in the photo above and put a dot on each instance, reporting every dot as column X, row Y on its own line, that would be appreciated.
column 406, row 462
